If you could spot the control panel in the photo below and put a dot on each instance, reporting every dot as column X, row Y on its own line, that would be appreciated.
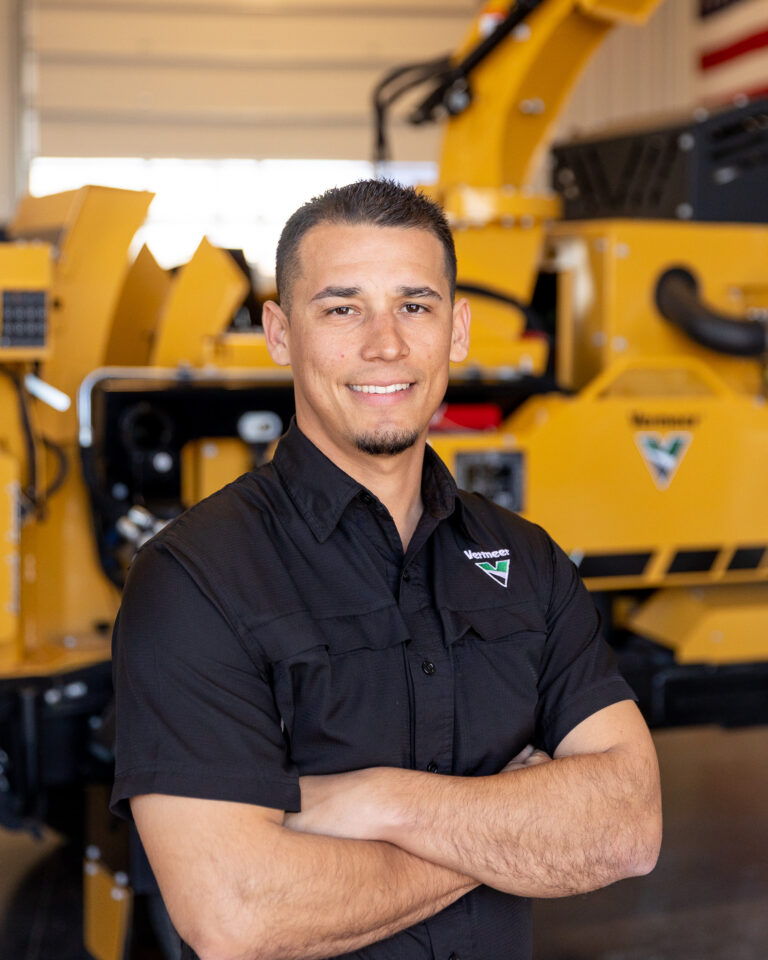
column 25, row 278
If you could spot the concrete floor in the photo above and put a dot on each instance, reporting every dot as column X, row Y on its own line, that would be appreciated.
column 708, row 897
column 706, row 900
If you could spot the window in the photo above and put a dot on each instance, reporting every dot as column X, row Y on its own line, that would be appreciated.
column 235, row 203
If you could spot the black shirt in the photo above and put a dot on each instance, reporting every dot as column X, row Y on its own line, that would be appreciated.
column 276, row 629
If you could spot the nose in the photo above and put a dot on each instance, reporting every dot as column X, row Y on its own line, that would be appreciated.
column 384, row 338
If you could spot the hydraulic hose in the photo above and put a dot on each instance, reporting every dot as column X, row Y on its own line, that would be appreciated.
column 678, row 300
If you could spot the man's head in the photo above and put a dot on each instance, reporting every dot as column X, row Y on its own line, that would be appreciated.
column 373, row 324
column 381, row 203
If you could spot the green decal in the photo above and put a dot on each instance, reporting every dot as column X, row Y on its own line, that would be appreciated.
column 499, row 571
column 662, row 454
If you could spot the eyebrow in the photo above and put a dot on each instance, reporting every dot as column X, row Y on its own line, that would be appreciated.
column 415, row 292
column 342, row 293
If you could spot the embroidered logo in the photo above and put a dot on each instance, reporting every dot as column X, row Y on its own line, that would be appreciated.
column 498, row 570
column 662, row 455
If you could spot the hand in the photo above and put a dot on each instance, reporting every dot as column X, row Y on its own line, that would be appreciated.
column 528, row 757
column 341, row 805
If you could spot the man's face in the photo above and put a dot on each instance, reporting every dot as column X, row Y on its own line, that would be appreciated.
column 370, row 336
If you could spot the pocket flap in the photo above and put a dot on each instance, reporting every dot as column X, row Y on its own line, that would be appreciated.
column 298, row 632
column 494, row 623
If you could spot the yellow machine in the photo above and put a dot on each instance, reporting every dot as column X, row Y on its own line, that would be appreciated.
column 614, row 393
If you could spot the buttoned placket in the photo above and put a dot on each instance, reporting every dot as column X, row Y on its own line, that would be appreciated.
column 431, row 678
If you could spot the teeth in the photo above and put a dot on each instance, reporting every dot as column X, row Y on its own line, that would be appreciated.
column 368, row 388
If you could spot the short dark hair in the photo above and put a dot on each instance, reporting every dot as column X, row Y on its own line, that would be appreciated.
column 381, row 203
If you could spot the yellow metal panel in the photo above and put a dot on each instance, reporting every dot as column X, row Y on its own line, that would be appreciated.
column 504, row 259
column 24, row 267
column 519, row 90
column 107, row 913
column 476, row 206
column 9, row 561
column 589, row 481
column 42, row 217
column 247, row 350
column 204, row 296
column 209, row 463
column 625, row 259
column 497, row 347
column 718, row 624
column 93, row 257
column 141, row 299
column 619, row 11
column 64, row 589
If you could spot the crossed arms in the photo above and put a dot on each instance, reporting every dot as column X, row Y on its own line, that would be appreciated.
column 375, row 851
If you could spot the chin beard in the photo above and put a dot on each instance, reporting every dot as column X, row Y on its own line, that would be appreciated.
column 388, row 443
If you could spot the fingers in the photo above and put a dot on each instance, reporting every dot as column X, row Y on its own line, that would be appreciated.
column 528, row 757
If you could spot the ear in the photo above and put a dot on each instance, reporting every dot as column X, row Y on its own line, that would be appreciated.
column 276, row 330
column 460, row 331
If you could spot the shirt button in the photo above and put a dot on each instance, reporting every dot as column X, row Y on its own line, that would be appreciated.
column 406, row 577
column 432, row 768
column 428, row 667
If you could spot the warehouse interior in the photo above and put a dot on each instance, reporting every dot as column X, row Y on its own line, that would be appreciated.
column 604, row 168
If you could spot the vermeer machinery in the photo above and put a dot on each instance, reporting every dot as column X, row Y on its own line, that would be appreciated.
column 615, row 393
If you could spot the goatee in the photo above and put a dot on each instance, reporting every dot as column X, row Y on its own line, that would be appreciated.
column 387, row 444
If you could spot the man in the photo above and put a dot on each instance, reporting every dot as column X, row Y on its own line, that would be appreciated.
column 334, row 728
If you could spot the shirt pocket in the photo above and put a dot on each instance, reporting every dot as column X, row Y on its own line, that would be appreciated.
column 497, row 652
column 340, row 687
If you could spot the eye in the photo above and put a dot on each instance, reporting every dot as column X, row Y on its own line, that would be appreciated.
column 415, row 308
column 345, row 311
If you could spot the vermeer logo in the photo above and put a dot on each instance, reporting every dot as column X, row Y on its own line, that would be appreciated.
column 662, row 454
column 498, row 571
column 670, row 421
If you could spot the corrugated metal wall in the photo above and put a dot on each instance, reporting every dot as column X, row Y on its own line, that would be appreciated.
column 285, row 78
column 638, row 72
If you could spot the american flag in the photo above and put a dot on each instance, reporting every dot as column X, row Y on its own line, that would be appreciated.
column 733, row 50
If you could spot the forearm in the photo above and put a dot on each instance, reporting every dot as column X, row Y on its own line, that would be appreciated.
column 238, row 885
column 564, row 827
column 325, row 896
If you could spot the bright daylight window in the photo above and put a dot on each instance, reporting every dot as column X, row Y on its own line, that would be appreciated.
column 235, row 203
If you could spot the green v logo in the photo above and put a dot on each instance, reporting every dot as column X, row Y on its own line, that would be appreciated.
column 662, row 454
column 498, row 571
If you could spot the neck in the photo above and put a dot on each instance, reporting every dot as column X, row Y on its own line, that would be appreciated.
column 395, row 480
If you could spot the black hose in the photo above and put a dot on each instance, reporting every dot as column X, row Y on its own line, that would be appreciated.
column 459, row 75
column 446, row 76
column 62, row 469
column 678, row 300
column 532, row 319
column 385, row 94
column 34, row 501
column 30, row 491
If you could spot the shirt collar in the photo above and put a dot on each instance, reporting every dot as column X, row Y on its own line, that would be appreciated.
column 321, row 491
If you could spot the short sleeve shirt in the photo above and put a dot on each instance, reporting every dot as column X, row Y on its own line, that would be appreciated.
column 278, row 629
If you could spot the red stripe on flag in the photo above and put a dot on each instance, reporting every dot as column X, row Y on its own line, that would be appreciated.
column 730, row 98
column 755, row 41
column 757, row 93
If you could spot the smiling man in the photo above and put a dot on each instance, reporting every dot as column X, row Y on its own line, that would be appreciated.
column 360, row 712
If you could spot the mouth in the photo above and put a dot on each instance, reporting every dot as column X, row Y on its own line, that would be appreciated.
column 379, row 389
